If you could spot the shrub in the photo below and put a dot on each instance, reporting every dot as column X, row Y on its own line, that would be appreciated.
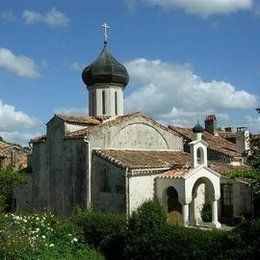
column 105, row 232
column 206, row 213
column 8, row 181
column 40, row 237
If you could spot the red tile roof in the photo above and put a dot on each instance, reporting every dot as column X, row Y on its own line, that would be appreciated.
column 216, row 143
column 112, row 122
column 80, row 119
column 139, row 159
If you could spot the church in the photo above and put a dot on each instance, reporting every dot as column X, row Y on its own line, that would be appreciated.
column 113, row 162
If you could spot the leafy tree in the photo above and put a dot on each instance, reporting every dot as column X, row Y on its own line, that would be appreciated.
column 8, row 181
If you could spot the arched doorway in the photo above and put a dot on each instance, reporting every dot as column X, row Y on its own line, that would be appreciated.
column 174, row 208
column 202, row 197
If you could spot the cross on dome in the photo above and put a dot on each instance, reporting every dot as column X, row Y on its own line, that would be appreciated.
column 105, row 29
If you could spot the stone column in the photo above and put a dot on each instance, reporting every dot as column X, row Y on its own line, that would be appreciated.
column 214, row 207
column 185, row 214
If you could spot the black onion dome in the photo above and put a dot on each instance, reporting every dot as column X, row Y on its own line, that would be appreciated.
column 198, row 128
column 105, row 69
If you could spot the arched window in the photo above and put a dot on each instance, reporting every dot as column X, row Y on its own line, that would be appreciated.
column 103, row 102
column 116, row 103
column 105, row 185
column 200, row 156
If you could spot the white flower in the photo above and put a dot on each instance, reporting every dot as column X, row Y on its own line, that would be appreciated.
column 43, row 236
column 74, row 240
column 51, row 245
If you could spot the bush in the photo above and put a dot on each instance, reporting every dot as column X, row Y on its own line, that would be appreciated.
column 40, row 237
column 104, row 232
column 206, row 213
column 8, row 181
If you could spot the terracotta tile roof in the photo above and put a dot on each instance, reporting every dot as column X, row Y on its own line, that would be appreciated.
column 112, row 122
column 217, row 166
column 224, row 168
column 38, row 139
column 80, row 119
column 20, row 155
column 226, row 135
column 176, row 173
column 216, row 143
column 137, row 159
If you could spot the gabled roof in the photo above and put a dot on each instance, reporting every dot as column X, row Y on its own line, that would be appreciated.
column 227, row 135
column 113, row 122
column 80, row 119
column 216, row 143
column 38, row 139
column 140, row 159
column 214, row 166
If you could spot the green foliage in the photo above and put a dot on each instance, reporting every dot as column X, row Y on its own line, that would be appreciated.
column 140, row 222
column 206, row 213
column 8, row 181
column 105, row 232
column 41, row 237
column 252, row 174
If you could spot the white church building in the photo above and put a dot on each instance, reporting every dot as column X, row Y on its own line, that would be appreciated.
column 114, row 162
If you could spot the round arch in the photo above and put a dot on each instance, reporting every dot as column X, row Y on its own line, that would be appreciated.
column 203, row 193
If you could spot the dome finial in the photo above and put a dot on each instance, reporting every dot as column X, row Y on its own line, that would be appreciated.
column 105, row 28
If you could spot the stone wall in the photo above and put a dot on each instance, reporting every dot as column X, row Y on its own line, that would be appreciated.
column 108, row 186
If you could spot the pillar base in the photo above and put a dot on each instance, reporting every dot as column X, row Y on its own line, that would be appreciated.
column 216, row 225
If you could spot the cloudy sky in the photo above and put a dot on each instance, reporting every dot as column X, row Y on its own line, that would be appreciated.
column 185, row 58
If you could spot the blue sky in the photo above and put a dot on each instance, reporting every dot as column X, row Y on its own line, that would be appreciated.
column 185, row 59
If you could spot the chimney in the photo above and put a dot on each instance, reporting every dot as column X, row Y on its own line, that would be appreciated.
column 243, row 140
column 211, row 124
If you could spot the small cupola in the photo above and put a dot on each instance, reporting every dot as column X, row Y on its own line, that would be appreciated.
column 198, row 148
column 106, row 79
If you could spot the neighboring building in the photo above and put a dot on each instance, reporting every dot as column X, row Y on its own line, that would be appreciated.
column 14, row 155
column 114, row 162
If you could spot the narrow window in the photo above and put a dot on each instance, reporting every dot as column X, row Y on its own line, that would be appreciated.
column 105, row 181
column 103, row 103
column 93, row 102
column 200, row 156
column 116, row 103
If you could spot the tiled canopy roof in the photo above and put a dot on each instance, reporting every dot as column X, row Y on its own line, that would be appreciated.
column 139, row 159
column 216, row 143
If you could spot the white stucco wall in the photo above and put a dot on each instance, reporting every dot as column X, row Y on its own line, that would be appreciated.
column 141, row 189
column 139, row 133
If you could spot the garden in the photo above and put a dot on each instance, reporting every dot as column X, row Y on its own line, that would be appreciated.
column 145, row 235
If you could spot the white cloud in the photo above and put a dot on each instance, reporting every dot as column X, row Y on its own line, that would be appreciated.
column 8, row 16
column 76, row 66
column 76, row 111
column 52, row 18
column 204, row 8
column 253, row 124
column 20, row 65
column 15, row 126
column 175, row 94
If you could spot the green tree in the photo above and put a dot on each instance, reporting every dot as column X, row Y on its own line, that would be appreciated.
column 8, row 181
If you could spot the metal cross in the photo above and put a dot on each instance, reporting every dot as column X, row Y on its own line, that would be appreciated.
column 105, row 27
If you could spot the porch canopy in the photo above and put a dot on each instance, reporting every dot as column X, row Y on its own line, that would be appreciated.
column 190, row 189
